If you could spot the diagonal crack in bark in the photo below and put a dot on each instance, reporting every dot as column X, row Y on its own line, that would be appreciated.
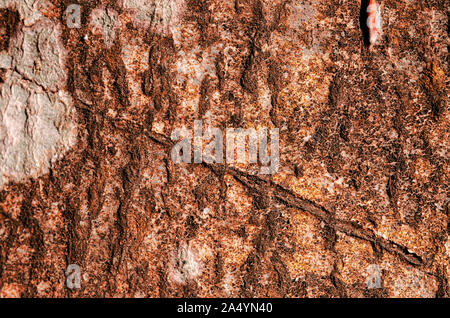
column 263, row 186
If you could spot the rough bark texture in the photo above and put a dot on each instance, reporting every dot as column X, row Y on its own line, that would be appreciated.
column 86, row 175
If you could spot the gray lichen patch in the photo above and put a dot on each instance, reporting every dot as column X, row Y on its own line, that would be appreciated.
column 104, row 21
column 39, row 56
column 184, row 265
column 36, row 113
column 164, row 16
column 28, row 9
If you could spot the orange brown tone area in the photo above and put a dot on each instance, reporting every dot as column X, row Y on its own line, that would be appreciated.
column 364, row 165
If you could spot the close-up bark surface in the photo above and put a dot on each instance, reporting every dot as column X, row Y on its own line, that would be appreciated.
column 358, row 204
